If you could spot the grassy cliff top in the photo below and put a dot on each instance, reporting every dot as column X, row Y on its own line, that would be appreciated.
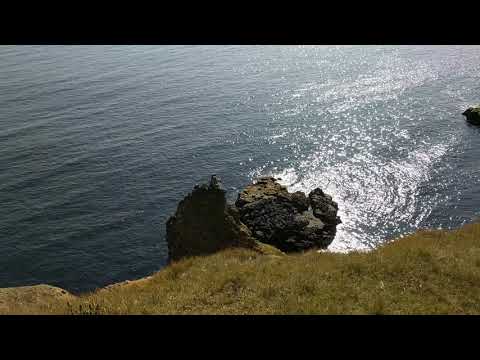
column 430, row 272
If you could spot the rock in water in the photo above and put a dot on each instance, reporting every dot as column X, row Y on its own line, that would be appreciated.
column 264, row 212
column 324, row 207
column 204, row 223
column 284, row 220
column 473, row 115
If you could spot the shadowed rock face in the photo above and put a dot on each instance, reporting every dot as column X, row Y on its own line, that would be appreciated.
column 284, row 219
column 473, row 115
column 204, row 223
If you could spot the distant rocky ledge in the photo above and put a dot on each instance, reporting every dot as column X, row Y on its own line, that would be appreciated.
column 473, row 115
column 264, row 213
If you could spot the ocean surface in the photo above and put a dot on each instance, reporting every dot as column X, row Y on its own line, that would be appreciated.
column 99, row 143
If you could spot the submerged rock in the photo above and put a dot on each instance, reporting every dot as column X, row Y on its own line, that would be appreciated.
column 473, row 115
column 204, row 223
column 284, row 219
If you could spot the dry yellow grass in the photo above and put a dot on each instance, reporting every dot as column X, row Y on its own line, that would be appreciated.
column 430, row 272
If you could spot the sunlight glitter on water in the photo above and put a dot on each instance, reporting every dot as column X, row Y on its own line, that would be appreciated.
column 371, row 195
column 101, row 142
column 360, row 149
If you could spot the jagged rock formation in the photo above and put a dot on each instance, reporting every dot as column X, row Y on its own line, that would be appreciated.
column 284, row 219
column 264, row 212
column 473, row 115
column 204, row 223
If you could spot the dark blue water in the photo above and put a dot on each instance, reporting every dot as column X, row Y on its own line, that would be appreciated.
column 98, row 144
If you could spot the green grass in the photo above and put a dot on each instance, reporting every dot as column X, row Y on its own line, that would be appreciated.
column 430, row 272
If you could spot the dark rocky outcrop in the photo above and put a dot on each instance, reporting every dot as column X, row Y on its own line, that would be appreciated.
column 284, row 219
column 264, row 213
column 324, row 207
column 204, row 223
column 473, row 115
